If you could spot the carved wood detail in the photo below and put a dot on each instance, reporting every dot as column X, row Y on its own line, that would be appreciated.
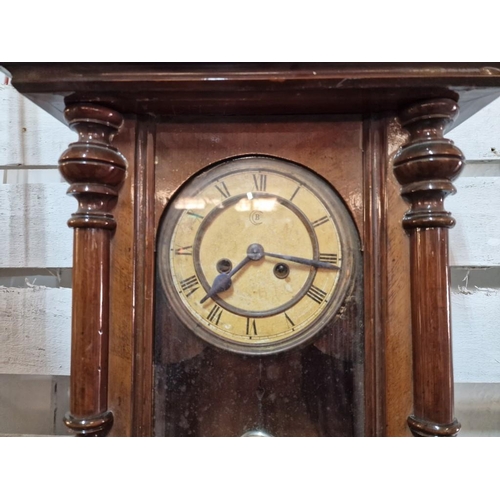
column 144, row 268
column 375, row 271
column 95, row 171
column 425, row 167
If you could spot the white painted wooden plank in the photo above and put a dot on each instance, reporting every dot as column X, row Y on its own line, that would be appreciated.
column 29, row 135
column 476, row 335
column 35, row 333
column 35, row 330
column 487, row 168
column 32, row 404
column 477, row 408
column 31, row 176
column 475, row 240
column 33, row 225
column 479, row 136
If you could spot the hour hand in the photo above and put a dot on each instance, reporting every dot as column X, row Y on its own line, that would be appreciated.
column 223, row 282
column 301, row 260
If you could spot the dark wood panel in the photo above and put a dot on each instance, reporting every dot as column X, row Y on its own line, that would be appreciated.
column 121, row 300
column 375, row 270
column 143, row 281
column 397, row 338
column 186, row 146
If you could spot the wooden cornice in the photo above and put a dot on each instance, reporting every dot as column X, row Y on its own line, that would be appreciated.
column 173, row 89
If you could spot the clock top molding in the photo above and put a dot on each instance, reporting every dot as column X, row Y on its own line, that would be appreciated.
column 239, row 88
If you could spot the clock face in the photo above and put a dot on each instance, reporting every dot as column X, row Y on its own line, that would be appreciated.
column 256, row 254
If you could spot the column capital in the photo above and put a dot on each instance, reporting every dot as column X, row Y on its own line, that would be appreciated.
column 427, row 163
column 93, row 167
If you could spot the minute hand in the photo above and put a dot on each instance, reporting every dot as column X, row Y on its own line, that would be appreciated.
column 301, row 260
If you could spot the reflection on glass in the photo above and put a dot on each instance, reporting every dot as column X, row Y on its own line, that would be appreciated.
column 186, row 203
column 255, row 204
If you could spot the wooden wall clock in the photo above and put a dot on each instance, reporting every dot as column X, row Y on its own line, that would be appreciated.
column 261, row 249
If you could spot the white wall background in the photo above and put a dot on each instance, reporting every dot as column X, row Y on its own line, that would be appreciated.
column 36, row 256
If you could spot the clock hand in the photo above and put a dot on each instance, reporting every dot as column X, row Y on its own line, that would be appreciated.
column 301, row 260
column 222, row 282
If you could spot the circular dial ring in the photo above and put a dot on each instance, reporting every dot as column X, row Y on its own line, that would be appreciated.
column 228, row 204
column 299, row 223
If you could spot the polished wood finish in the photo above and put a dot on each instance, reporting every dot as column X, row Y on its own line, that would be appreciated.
column 94, row 170
column 255, row 88
column 121, row 393
column 397, row 346
column 375, row 282
column 144, row 268
column 132, row 287
column 425, row 167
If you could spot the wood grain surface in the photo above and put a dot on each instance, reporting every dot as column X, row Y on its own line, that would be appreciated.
column 398, row 348
column 122, row 312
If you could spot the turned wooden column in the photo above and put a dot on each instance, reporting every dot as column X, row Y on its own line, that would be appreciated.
column 95, row 170
column 425, row 167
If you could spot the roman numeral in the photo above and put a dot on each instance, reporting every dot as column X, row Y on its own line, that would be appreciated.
column 288, row 319
column 318, row 222
column 215, row 314
column 251, row 326
column 260, row 182
column 184, row 250
column 189, row 284
column 316, row 294
column 222, row 188
column 332, row 258
column 294, row 193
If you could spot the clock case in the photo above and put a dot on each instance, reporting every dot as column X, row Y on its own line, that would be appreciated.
column 144, row 129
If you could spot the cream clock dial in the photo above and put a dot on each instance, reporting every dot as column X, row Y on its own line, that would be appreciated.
column 256, row 254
